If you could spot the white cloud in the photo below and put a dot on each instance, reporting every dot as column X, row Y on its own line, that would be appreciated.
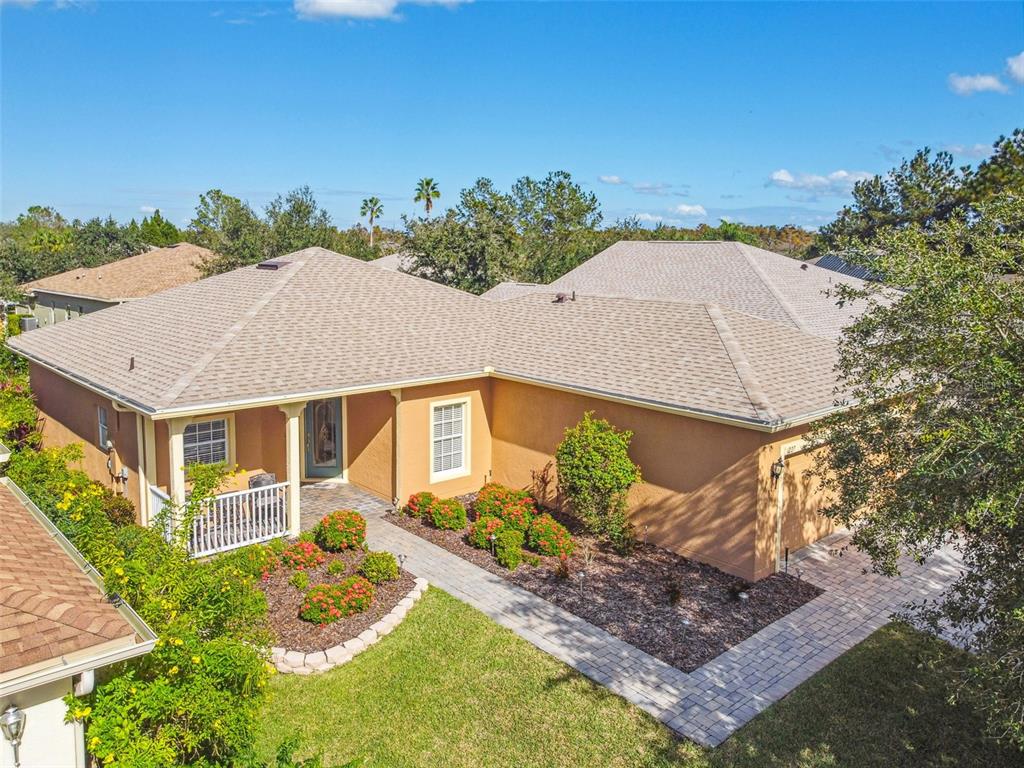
column 652, row 188
column 969, row 150
column 1015, row 67
column 359, row 9
column 147, row 208
column 836, row 183
column 965, row 85
column 611, row 179
column 691, row 211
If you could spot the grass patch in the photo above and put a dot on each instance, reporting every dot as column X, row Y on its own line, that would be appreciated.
column 450, row 687
column 884, row 703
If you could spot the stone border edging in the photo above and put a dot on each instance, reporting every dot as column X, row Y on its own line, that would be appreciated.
column 299, row 663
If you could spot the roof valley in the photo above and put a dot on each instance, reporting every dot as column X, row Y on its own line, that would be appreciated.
column 744, row 371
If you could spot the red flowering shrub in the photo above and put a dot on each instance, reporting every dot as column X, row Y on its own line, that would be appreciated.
column 448, row 514
column 344, row 529
column 514, row 507
column 480, row 532
column 326, row 603
column 550, row 537
column 302, row 555
column 419, row 504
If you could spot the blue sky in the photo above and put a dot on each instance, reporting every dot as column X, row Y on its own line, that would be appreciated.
column 758, row 112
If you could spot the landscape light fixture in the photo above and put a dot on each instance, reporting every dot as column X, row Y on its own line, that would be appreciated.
column 12, row 723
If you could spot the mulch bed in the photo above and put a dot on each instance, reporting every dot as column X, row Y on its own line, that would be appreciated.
column 643, row 598
column 284, row 601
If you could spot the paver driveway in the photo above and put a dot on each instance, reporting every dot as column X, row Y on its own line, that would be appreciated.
column 710, row 703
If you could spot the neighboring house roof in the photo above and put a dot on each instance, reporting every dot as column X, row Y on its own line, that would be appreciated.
column 131, row 278
column 323, row 324
column 734, row 275
column 837, row 263
column 54, row 618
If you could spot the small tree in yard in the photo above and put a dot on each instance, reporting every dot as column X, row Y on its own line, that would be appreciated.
column 595, row 474
column 932, row 451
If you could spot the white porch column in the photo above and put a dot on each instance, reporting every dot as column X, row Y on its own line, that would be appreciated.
column 396, row 442
column 176, row 431
column 149, row 462
column 293, row 446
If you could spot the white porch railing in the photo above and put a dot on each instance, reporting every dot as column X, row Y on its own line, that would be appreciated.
column 232, row 520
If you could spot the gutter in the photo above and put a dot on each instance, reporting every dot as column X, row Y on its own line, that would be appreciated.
column 65, row 669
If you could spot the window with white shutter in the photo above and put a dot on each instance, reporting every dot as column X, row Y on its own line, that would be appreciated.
column 206, row 442
column 448, row 440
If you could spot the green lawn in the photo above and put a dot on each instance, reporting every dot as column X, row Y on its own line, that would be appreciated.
column 451, row 688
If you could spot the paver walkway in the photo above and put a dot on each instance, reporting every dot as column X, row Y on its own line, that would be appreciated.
column 710, row 703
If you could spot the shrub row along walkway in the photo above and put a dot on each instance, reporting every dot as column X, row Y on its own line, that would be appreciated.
column 710, row 703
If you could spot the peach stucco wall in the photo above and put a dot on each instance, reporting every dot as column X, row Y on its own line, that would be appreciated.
column 414, row 437
column 369, row 431
column 700, row 484
column 69, row 415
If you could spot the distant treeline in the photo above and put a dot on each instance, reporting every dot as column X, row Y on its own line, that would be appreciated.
column 535, row 232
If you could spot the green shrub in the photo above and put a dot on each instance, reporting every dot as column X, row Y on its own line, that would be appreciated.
column 277, row 546
column 326, row 603
column 18, row 414
column 302, row 555
column 344, row 529
column 309, row 536
column 299, row 580
column 448, row 514
column 256, row 560
column 196, row 697
column 549, row 537
column 514, row 507
column 595, row 473
column 419, row 504
column 481, row 530
column 119, row 509
column 509, row 547
column 379, row 567
column 336, row 567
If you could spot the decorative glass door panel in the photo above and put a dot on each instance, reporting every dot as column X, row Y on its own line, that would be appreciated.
column 323, row 438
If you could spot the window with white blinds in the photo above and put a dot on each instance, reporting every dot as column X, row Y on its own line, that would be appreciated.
column 448, row 439
column 206, row 442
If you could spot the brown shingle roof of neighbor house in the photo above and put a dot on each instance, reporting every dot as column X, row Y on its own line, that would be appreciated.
column 323, row 324
column 131, row 278
column 735, row 275
column 52, row 613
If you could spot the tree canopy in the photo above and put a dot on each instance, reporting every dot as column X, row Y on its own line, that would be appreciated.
column 931, row 452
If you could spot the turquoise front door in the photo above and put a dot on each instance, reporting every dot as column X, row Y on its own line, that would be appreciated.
column 323, row 438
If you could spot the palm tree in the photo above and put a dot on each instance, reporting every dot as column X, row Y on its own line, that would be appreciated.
column 426, row 193
column 373, row 209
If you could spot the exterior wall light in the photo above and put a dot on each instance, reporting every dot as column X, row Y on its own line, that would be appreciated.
column 778, row 467
column 12, row 723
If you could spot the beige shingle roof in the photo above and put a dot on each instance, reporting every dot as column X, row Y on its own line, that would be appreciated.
column 734, row 275
column 49, row 608
column 131, row 278
column 328, row 323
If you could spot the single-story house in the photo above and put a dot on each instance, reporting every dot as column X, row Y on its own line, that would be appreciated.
column 87, row 289
column 316, row 366
column 56, row 629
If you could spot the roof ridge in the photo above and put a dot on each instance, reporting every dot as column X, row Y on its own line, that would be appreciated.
column 208, row 356
column 744, row 370
column 763, row 277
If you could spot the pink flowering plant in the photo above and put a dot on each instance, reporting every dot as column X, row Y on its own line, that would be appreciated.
column 303, row 555
column 481, row 530
column 419, row 504
column 326, row 603
column 516, row 508
column 344, row 529
column 448, row 514
column 549, row 537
